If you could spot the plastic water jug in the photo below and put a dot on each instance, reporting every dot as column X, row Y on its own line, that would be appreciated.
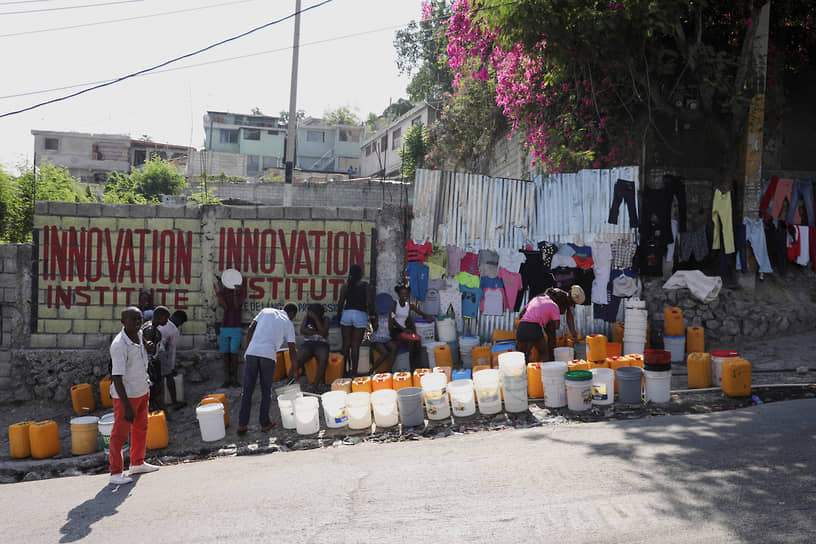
column 462, row 398
column 699, row 370
column 82, row 398
column 361, row 384
column 418, row 373
column 104, row 392
column 596, row 347
column 446, row 328
column 358, row 406
column 211, row 421
column 342, row 384
column 425, row 330
column 382, row 381
column 44, row 439
column 157, row 435
column 673, row 322
column 695, row 339
column 19, row 441
column 334, row 370
column 736, row 377
column 401, row 380
column 480, row 356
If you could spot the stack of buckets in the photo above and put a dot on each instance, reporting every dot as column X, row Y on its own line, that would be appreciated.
column 657, row 368
column 466, row 345
column 634, row 331
column 674, row 333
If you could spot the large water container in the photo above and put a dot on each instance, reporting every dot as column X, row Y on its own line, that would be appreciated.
column 695, row 339
column 466, row 345
column 19, row 441
column 211, row 421
column 736, row 377
column 358, row 406
column 717, row 359
column 552, row 383
column 486, row 383
column 699, row 370
column 221, row 398
column 435, row 394
column 157, row 435
column 307, row 417
column 462, row 398
column 334, row 409
column 84, row 435
column 425, row 330
column 673, row 321
column 44, row 437
column 286, row 406
column 410, row 406
column 384, row 404
column 104, row 392
column 446, row 328
column 82, row 398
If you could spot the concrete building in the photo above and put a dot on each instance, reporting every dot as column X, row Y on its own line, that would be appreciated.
column 380, row 151
column 91, row 157
column 328, row 148
column 260, row 137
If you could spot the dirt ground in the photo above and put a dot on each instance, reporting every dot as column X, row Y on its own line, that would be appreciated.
column 185, row 444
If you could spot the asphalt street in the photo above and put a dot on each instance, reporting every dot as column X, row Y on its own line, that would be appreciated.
column 739, row 476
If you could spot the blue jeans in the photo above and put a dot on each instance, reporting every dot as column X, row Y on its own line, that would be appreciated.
column 254, row 366
column 802, row 188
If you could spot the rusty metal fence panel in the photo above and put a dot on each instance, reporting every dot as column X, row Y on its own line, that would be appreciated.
column 479, row 212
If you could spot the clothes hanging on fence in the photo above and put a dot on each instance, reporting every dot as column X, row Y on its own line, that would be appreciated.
column 455, row 255
column 470, row 263
column 623, row 252
column 776, row 239
column 721, row 213
column 510, row 259
column 802, row 188
column 488, row 263
column 693, row 244
column 417, row 252
column 512, row 286
column 492, row 296
column 418, row 275
column 547, row 250
column 755, row 235
column 624, row 191
column 602, row 268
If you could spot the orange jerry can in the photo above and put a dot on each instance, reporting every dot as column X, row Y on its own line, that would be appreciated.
column 157, row 436
column 334, row 370
column 699, row 370
column 104, row 392
column 673, row 321
column 401, row 380
column 695, row 340
column 44, row 436
column 19, row 441
column 361, row 383
column 736, row 377
column 82, row 398
column 382, row 381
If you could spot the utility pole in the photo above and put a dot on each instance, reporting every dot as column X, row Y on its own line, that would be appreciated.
column 291, row 130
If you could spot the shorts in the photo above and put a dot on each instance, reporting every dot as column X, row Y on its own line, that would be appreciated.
column 354, row 318
column 229, row 339
column 318, row 350
column 529, row 332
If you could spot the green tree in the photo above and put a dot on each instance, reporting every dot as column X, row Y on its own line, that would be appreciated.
column 158, row 177
column 284, row 116
column 341, row 116
column 121, row 189
column 413, row 151
column 7, row 196
column 422, row 53
column 395, row 109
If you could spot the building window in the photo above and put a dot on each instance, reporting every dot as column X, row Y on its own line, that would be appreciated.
column 315, row 136
column 229, row 136
column 368, row 149
column 271, row 162
column 51, row 144
column 396, row 139
column 416, row 121
column 139, row 157
column 252, row 134
column 96, row 155
column 349, row 135
column 253, row 163
column 384, row 143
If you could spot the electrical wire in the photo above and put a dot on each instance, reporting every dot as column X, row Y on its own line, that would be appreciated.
column 209, row 62
column 23, row 2
column 121, row 19
column 63, row 8
column 163, row 64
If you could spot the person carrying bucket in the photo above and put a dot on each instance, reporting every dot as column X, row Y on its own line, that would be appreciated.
column 540, row 319
column 130, row 392
column 231, row 296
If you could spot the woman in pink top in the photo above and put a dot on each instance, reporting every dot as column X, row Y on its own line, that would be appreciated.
column 539, row 320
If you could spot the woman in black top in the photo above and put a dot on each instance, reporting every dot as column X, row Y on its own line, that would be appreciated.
column 352, row 311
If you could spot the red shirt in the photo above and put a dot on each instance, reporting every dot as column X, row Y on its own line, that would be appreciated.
column 232, row 315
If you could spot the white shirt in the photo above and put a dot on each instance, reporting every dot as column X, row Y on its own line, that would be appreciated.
column 169, row 338
column 400, row 314
column 272, row 328
column 129, row 360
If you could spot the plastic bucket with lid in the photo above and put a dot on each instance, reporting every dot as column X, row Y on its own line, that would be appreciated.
column 717, row 358
column 211, row 421
column 486, row 384
column 83, row 435
column 425, row 330
column 384, row 403
column 286, row 405
column 462, row 397
column 658, row 385
column 358, row 406
column 579, row 390
column 552, row 381
column 334, row 409
column 434, row 391
column 564, row 354
column 446, row 328
column 105, row 427
column 603, row 386
column 307, row 415
column 630, row 384
column 410, row 406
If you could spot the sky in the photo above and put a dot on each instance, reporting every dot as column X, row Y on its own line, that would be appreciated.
column 347, row 59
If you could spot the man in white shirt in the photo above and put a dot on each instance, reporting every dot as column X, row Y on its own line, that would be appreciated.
column 167, row 352
column 130, row 392
column 267, row 333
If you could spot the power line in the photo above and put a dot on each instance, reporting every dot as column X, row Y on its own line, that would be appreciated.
column 165, row 63
column 70, row 7
column 23, row 2
column 209, row 62
column 120, row 20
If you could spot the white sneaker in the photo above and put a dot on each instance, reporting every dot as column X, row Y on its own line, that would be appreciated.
column 119, row 479
column 144, row 468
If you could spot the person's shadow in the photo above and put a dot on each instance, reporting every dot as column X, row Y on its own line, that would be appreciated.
column 105, row 503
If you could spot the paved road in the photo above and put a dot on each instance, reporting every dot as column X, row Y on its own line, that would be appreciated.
column 741, row 476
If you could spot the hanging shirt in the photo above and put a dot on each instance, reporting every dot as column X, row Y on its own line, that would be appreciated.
column 471, row 297
column 449, row 296
column 455, row 255
column 431, row 306
column 438, row 256
column 470, row 264
column 512, row 285
column 417, row 252
column 467, row 279
column 434, row 270
column 510, row 259
column 492, row 296
column 547, row 250
column 602, row 267
column 623, row 251
column 489, row 263
column 418, row 274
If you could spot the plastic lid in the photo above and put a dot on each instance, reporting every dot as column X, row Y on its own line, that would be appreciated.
column 84, row 420
column 578, row 375
column 230, row 278
column 725, row 353
column 674, row 337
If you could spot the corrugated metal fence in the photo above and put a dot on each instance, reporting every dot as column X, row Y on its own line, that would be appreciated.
column 479, row 212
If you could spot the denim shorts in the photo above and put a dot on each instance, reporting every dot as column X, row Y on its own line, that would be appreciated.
column 354, row 318
column 229, row 339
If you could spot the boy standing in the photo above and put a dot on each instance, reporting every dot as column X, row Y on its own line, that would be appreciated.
column 130, row 392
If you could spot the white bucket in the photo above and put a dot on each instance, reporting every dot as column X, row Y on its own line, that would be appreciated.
column 462, row 398
column 286, row 405
column 334, row 409
column 466, row 345
column 384, row 403
column 564, row 354
column 307, row 415
column 364, row 360
column 358, row 405
column 603, row 386
column 446, row 328
column 486, row 384
column 716, row 366
column 211, row 421
column 552, row 379
column 512, row 364
column 676, row 345
column 579, row 395
column 633, row 347
column 515, row 393
column 658, row 386
column 425, row 330
column 435, row 394
column 105, row 427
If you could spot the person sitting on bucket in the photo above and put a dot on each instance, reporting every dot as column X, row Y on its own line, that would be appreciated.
column 401, row 323
column 315, row 331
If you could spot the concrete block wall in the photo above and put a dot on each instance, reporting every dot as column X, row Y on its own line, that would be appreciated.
column 15, row 304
